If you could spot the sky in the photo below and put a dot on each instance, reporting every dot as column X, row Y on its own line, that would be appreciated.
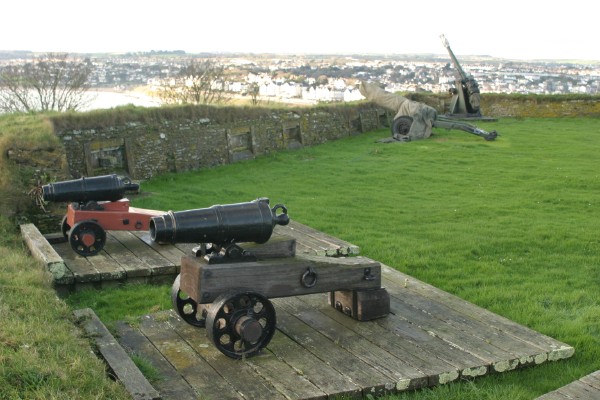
column 513, row 29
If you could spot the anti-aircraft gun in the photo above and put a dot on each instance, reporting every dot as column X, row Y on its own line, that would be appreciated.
column 415, row 120
column 466, row 98
column 226, row 284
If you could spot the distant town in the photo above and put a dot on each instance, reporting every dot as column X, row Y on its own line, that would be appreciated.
column 334, row 78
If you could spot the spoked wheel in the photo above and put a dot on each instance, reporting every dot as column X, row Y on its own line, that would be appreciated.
column 65, row 227
column 189, row 311
column 87, row 238
column 401, row 125
column 240, row 323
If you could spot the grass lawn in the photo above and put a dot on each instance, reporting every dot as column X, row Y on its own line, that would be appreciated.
column 510, row 225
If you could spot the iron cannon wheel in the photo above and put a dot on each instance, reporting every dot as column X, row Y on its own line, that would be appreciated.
column 401, row 125
column 87, row 238
column 240, row 323
column 65, row 227
column 189, row 311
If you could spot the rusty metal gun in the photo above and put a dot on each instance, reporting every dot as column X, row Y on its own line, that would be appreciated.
column 466, row 97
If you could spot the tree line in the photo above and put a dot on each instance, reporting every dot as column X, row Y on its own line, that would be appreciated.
column 57, row 82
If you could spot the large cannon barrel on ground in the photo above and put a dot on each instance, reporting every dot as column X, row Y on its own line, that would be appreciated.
column 96, row 188
column 220, row 224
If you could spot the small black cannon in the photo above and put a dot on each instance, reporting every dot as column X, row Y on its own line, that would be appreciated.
column 221, row 226
column 96, row 204
column 95, row 188
column 226, row 288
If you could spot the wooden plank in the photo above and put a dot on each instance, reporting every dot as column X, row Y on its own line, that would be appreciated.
column 437, row 370
column 405, row 376
column 329, row 380
column 277, row 278
column 371, row 380
column 106, row 267
column 170, row 252
column 120, row 363
column 131, row 264
column 587, row 387
column 170, row 384
column 593, row 380
column 238, row 373
column 158, row 264
column 42, row 251
column 461, row 339
column 468, row 365
column 555, row 350
column 321, row 243
column 579, row 390
column 82, row 268
column 515, row 348
column 207, row 383
column 288, row 381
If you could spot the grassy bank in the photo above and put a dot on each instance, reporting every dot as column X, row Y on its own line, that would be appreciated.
column 42, row 354
column 509, row 225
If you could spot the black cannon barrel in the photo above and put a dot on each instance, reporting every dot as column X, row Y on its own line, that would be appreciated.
column 96, row 188
column 220, row 224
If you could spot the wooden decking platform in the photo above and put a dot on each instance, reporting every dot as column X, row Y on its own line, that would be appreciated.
column 430, row 338
column 133, row 257
column 586, row 388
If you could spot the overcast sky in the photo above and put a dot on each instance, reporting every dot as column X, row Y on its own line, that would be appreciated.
column 519, row 29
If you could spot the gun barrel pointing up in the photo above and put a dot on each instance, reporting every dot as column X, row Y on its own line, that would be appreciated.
column 461, row 72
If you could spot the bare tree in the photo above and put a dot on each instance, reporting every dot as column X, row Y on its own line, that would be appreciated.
column 197, row 83
column 49, row 82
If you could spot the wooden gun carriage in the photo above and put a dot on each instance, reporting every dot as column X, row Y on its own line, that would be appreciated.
column 226, row 288
column 96, row 204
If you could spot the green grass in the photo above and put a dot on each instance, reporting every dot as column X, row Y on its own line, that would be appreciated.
column 42, row 354
column 510, row 225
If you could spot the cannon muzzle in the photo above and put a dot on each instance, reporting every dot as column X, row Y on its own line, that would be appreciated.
column 96, row 188
column 220, row 224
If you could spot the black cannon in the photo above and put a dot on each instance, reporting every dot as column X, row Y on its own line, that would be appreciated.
column 96, row 188
column 221, row 225
column 226, row 290
column 96, row 204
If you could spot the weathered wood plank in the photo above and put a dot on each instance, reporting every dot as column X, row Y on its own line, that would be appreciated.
column 516, row 350
column 171, row 253
column 42, row 250
column 83, row 270
column 326, row 378
column 459, row 338
column 467, row 364
column 311, row 241
column 207, row 383
column 131, row 264
column 436, row 370
column 158, row 264
column 238, row 373
column 120, row 363
column 170, row 384
column 554, row 349
column 371, row 380
column 586, row 388
column 405, row 376
column 593, row 380
column 106, row 267
column 277, row 278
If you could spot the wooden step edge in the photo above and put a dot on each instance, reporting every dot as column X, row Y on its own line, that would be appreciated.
column 114, row 355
